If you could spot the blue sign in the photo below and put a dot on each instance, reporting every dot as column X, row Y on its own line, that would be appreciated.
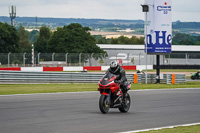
column 165, row 9
column 161, row 43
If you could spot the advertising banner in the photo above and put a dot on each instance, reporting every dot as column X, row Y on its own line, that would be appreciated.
column 159, row 26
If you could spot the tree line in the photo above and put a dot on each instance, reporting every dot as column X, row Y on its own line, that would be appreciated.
column 178, row 39
column 68, row 39
column 72, row 38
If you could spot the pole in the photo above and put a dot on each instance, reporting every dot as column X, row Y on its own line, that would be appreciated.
column 80, row 59
column 38, row 59
column 157, row 69
column 139, row 58
column 32, row 55
column 91, row 56
column 146, row 45
column 128, row 59
column 52, row 59
column 12, row 12
column 66, row 58
column 8, row 59
column 24, row 58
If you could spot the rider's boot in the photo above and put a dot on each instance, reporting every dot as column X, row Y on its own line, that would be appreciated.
column 124, row 95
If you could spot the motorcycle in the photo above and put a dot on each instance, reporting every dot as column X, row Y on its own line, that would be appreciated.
column 195, row 76
column 112, row 95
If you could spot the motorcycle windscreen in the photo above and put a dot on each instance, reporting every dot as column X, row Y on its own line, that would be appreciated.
column 106, row 79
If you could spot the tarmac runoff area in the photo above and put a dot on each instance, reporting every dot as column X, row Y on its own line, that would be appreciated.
column 79, row 112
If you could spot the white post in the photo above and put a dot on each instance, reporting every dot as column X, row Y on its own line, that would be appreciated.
column 80, row 59
column 91, row 59
column 186, row 56
column 32, row 55
column 24, row 58
column 9, row 59
column 38, row 59
column 53, row 59
column 66, row 57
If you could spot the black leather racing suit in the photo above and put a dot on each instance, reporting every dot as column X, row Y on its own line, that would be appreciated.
column 121, row 77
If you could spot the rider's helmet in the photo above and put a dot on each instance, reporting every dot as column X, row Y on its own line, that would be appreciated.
column 114, row 66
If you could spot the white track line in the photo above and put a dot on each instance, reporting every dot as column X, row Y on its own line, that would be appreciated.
column 159, row 128
column 97, row 91
column 57, row 93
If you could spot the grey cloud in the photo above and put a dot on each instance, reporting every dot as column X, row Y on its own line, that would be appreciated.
column 108, row 9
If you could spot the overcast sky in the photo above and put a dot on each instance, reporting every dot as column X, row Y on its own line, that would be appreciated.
column 184, row 10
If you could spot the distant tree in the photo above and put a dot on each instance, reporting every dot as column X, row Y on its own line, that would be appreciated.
column 184, row 39
column 198, row 43
column 100, row 39
column 114, row 41
column 8, row 38
column 73, row 39
column 33, row 36
column 140, row 40
column 42, row 40
column 24, row 44
column 126, row 40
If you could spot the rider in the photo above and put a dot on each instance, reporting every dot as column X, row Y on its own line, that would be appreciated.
column 197, row 74
column 116, row 69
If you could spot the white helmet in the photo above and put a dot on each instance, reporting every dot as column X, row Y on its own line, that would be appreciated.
column 114, row 66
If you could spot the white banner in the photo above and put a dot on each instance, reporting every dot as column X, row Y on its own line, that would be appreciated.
column 159, row 26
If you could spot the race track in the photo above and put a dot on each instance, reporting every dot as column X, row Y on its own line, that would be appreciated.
column 79, row 112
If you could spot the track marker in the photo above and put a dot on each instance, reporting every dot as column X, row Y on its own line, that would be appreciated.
column 159, row 128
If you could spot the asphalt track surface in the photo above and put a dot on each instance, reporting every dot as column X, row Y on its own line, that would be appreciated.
column 79, row 112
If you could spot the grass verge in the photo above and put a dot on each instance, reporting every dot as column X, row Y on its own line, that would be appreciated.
column 186, row 129
column 7, row 89
column 168, row 70
column 189, row 84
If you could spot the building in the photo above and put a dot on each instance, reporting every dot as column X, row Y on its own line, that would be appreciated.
column 134, row 54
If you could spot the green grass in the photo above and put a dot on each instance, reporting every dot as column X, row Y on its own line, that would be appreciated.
column 187, row 129
column 6, row 89
column 167, row 70
column 178, row 70
column 191, row 84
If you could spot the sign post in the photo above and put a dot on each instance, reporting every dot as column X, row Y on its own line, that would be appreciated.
column 159, row 30
column 145, row 8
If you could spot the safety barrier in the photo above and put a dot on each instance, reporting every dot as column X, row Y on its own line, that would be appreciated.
column 81, row 77
column 164, row 78
column 73, row 68
column 52, row 77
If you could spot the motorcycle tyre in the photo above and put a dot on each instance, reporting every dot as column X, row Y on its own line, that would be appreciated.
column 192, row 77
column 125, row 108
column 102, row 106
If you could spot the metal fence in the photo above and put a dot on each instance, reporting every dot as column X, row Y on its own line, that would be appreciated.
column 80, row 77
column 52, row 77
column 94, row 59
column 164, row 78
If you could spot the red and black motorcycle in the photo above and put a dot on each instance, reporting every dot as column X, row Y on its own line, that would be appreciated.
column 112, row 95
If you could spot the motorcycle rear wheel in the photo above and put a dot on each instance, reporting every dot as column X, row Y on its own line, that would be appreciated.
column 125, row 106
column 103, row 104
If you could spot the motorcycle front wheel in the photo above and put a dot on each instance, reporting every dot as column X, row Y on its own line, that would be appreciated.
column 103, row 104
column 193, row 77
column 126, row 105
